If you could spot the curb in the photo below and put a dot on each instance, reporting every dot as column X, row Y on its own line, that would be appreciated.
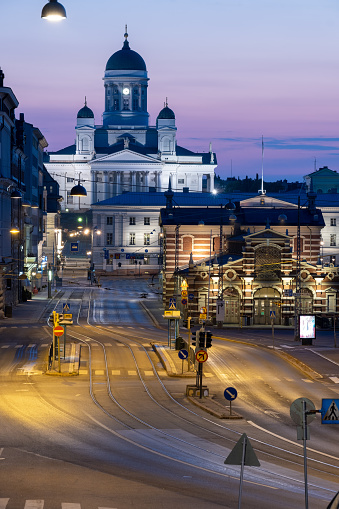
column 150, row 314
column 218, row 411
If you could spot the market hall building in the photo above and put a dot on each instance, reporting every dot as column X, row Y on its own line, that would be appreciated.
column 125, row 153
column 254, row 268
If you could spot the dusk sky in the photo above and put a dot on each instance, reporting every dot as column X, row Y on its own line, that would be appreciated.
column 233, row 70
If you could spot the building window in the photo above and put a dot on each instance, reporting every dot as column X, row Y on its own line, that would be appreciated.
column 147, row 221
column 132, row 239
column 126, row 104
column 333, row 221
column 181, row 181
column 69, row 198
column 132, row 221
column 69, row 179
column 109, row 220
column 187, row 244
column 116, row 105
column 333, row 239
column 135, row 104
column 109, row 239
column 146, row 259
column 147, row 239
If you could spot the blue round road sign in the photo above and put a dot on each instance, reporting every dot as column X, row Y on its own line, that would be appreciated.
column 183, row 354
column 191, row 296
column 230, row 393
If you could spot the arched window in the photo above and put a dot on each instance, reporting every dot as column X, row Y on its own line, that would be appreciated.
column 187, row 244
column 85, row 143
column 267, row 262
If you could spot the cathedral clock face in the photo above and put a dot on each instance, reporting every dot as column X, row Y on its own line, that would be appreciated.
column 125, row 91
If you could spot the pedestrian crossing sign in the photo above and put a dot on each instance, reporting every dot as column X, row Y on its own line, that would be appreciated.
column 172, row 303
column 330, row 411
column 65, row 307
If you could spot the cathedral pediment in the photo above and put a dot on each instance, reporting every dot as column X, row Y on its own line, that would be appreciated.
column 266, row 202
column 124, row 156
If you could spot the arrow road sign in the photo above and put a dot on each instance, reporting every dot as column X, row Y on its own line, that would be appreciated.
column 183, row 354
column 330, row 411
column 230, row 393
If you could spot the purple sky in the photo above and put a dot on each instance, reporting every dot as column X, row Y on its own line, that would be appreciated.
column 233, row 70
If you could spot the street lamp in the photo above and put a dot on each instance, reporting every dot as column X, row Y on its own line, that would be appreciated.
column 53, row 11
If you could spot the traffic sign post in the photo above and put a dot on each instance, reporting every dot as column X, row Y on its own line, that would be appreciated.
column 183, row 354
column 201, row 356
column 300, row 410
column 230, row 394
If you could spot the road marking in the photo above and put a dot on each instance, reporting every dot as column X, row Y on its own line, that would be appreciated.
column 116, row 372
column 18, row 346
column 149, row 373
column 289, row 379
column 83, row 372
column 323, row 356
column 44, row 345
column 99, row 372
column 132, row 373
column 334, row 379
column 31, row 346
column 307, row 381
column 34, row 504
column 108, row 344
column 208, row 375
column 120, row 344
column 3, row 503
column 70, row 506
column 5, row 346
column 287, row 346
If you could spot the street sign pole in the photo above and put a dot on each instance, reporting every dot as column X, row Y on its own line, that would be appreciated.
column 272, row 322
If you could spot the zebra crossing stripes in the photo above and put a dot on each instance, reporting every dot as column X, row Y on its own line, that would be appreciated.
column 40, row 504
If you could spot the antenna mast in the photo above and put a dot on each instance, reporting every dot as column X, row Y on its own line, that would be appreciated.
column 262, row 191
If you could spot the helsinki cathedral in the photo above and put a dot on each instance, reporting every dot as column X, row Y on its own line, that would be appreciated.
column 125, row 153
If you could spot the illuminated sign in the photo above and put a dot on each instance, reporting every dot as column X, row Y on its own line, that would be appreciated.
column 307, row 326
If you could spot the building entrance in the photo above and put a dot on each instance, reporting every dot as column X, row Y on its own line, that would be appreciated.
column 232, row 305
column 266, row 300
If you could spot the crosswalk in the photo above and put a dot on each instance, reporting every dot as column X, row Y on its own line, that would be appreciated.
column 40, row 504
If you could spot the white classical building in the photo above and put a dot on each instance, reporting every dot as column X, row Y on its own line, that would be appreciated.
column 125, row 153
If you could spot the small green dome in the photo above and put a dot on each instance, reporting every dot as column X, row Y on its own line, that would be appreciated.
column 85, row 112
column 166, row 113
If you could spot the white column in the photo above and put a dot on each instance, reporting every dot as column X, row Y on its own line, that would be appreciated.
column 94, row 186
column 211, row 182
column 106, row 186
column 158, row 182
column 146, row 189
column 133, row 177
column 118, row 182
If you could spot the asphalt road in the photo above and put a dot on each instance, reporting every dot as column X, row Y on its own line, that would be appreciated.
column 122, row 434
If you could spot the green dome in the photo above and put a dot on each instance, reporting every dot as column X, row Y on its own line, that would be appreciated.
column 85, row 112
column 166, row 113
column 126, row 59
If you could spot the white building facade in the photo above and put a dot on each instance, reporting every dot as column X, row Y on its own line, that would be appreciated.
column 125, row 154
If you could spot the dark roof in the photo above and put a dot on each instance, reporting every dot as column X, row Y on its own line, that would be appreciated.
column 241, row 216
column 126, row 59
column 166, row 113
column 159, row 200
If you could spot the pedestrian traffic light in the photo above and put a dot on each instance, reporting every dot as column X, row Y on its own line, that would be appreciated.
column 201, row 339
column 208, row 339
column 194, row 339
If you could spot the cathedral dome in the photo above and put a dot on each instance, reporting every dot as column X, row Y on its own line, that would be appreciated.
column 126, row 59
column 85, row 112
column 166, row 113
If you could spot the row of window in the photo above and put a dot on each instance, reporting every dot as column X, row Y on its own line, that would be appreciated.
column 132, row 236
column 147, row 221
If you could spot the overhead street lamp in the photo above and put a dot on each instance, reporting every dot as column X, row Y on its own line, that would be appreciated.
column 53, row 11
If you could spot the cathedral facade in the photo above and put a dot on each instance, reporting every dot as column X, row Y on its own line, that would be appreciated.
column 125, row 153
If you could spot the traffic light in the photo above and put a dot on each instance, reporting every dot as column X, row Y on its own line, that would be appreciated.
column 201, row 339
column 208, row 339
column 194, row 339
column 192, row 322
column 185, row 324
